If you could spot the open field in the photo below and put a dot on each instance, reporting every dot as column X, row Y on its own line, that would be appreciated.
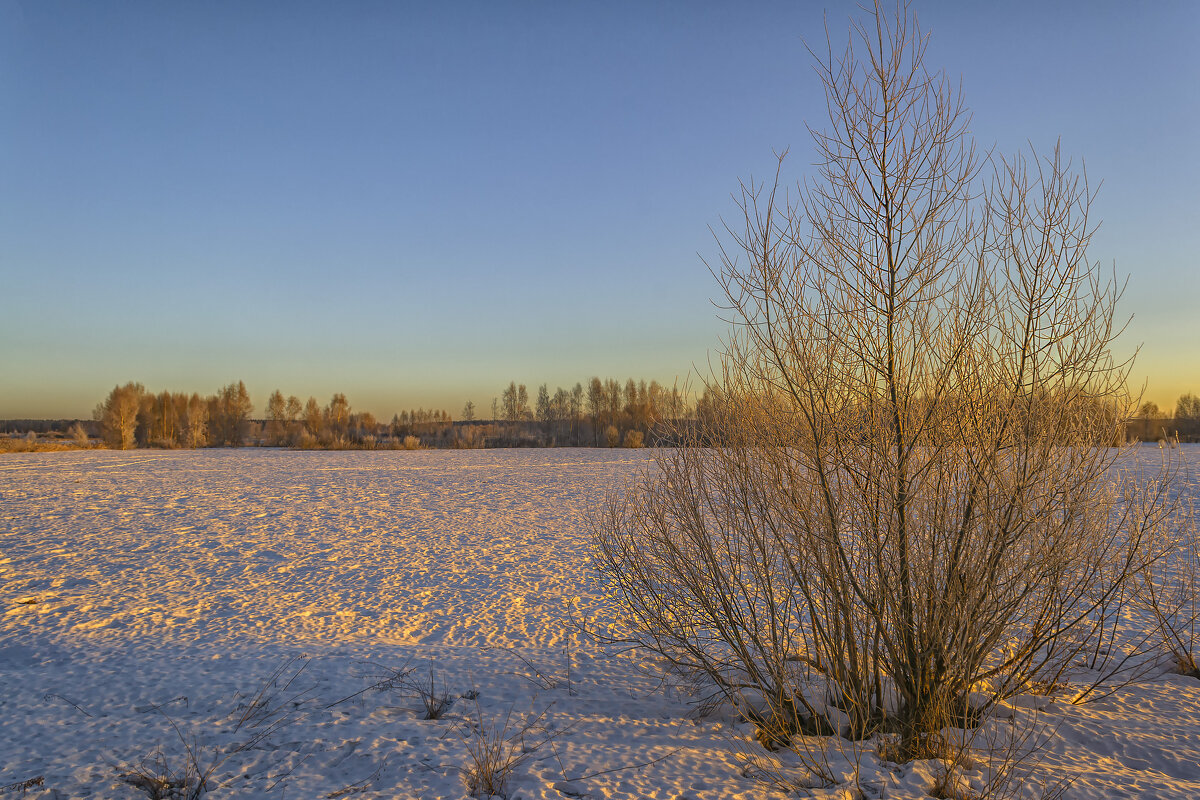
column 135, row 579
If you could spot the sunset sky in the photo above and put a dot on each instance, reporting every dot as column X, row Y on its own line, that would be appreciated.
column 414, row 204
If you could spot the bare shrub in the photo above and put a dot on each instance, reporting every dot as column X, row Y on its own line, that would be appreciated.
column 23, row 444
column 436, row 699
column 157, row 778
column 632, row 439
column 901, row 507
column 612, row 436
column 411, row 443
column 496, row 748
column 79, row 434
column 1171, row 591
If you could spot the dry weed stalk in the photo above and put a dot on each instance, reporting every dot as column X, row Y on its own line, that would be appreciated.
column 389, row 680
column 23, row 786
column 497, row 748
column 1171, row 591
column 901, row 506
column 435, row 698
column 188, row 775
column 546, row 679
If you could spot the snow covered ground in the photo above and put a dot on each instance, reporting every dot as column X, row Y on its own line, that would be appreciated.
column 147, row 596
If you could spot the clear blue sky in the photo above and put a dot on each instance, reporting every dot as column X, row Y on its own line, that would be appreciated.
column 416, row 203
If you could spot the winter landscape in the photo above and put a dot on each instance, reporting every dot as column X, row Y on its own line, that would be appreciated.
column 894, row 497
column 151, row 597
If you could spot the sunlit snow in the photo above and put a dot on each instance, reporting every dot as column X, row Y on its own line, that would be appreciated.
column 131, row 580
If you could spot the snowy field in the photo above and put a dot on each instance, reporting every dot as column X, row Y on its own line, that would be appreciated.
column 147, row 596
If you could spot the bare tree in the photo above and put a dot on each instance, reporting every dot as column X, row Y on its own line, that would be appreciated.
column 314, row 422
column 543, row 410
column 337, row 417
column 196, row 422
column 595, row 405
column 1187, row 407
column 515, row 400
column 277, row 418
column 229, row 415
column 522, row 402
column 899, row 511
column 292, row 412
column 509, row 399
column 118, row 415
column 576, row 411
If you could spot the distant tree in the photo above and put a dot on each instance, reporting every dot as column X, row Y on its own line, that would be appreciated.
column 576, row 402
column 169, row 430
column 229, row 415
column 612, row 396
column 1149, row 410
column 596, row 406
column 180, row 401
column 522, row 402
column 196, row 422
column 544, row 412
column 147, row 420
column 118, row 415
column 294, row 409
column 560, row 411
column 313, row 422
column 508, row 401
column 612, row 436
column 642, row 412
column 656, row 397
column 363, row 425
column 276, row 418
column 1188, row 407
column 468, row 412
column 292, row 413
column 337, row 416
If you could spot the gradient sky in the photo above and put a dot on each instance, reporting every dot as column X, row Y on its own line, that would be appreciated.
column 417, row 203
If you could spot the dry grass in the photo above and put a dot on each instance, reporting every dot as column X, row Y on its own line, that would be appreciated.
column 23, row 445
column 436, row 699
column 186, row 772
column 496, row 748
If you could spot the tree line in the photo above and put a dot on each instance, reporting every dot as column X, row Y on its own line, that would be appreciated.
column 132, row 417
column 598, row 413
column 1153, row 422
column 605, row 413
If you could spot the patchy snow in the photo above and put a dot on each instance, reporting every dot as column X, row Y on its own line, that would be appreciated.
column 148, row 595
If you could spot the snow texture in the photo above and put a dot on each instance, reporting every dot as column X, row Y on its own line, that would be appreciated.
column 148, row 596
